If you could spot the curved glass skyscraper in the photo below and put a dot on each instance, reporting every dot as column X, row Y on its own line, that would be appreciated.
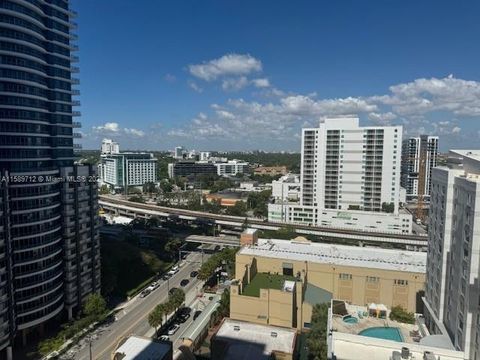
column 48, row 228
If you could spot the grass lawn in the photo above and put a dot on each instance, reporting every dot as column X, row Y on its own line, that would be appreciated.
column 265, row 281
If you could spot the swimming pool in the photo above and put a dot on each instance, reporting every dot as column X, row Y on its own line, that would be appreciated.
column 349, row 319
column 387, row 333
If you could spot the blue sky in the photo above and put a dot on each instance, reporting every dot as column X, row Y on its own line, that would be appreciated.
column 241, row 74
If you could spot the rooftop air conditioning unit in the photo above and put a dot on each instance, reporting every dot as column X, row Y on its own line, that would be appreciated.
column 428, row 355
column 236, row 328
column 396, row 356
column 405, row 353
column 273, row 334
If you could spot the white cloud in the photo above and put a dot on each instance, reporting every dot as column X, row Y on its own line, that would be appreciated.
column 304, row 105
column 261, row 83
column 421, row 96
column 134, row 132
column 234, row 83
column 113, row 128
column 227, row 65
column 107, row 127
column 193, row 85
column 456, row 130
column 223, row 114
column 382, row 117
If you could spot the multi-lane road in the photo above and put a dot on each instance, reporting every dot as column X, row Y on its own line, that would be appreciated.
column 133, row 317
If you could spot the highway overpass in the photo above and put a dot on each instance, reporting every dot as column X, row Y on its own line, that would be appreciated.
column 214, row 240
column 133, row 209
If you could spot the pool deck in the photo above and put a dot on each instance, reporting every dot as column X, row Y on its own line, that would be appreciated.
column 368, row 322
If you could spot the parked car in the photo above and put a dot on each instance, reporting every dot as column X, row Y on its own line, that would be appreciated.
column 183, row 317
column 164, row 338
column 165, row 277
column 173, row 329
column 194, row 274
column 185, row 310
column 197, row 314
column 144, row 293
column 184, row 282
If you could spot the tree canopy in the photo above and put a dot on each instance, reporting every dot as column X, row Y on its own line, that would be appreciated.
column 317, row 337
column 95, row 305
column 208, row 267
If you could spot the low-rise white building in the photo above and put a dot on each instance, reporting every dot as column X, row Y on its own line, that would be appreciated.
column 232, row 168
column 400, row 223
column 287, row 188
column 204, row 155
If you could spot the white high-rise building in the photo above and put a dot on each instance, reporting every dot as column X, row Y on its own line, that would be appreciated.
column 453, row 263
column 128, row 169
column 110, row 147
column 347, row 173
column 419, row 157
column 348, row 167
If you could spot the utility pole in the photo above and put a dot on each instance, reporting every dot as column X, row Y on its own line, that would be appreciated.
column 90, row 348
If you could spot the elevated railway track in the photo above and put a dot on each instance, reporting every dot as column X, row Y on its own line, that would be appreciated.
column 133, row 209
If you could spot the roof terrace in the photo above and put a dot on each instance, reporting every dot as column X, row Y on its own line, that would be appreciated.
column 268, row 281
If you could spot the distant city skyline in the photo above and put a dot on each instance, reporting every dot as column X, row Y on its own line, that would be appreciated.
column 245, row 75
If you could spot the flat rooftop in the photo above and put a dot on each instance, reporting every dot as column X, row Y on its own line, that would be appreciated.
column 473, row 154
column 253, row 341
column 265, row 281
column 376, row 258
column 140, row 348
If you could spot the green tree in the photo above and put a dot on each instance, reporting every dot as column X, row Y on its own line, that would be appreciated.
column 401, row 315
column 133, row 190
column 172, row 246
column 152, row 222
column 317, row 337
column 168, row 307
column 388, row 207
column 239, row 209
column 165, row 186
column 149, row 187
column 176, row 298
column 104, row 189
column 155, row 318
column 95, row 306
column 208, row 268
column 214, row 206
column 137, row 198
column 224, row 308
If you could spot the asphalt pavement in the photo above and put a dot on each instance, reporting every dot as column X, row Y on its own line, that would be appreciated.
column 133, row 317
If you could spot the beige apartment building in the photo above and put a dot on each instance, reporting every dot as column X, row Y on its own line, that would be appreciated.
column 279, row 281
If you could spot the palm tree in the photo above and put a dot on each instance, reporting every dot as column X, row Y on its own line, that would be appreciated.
column 163, row 310
column 177, row 298
column 155, row 319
